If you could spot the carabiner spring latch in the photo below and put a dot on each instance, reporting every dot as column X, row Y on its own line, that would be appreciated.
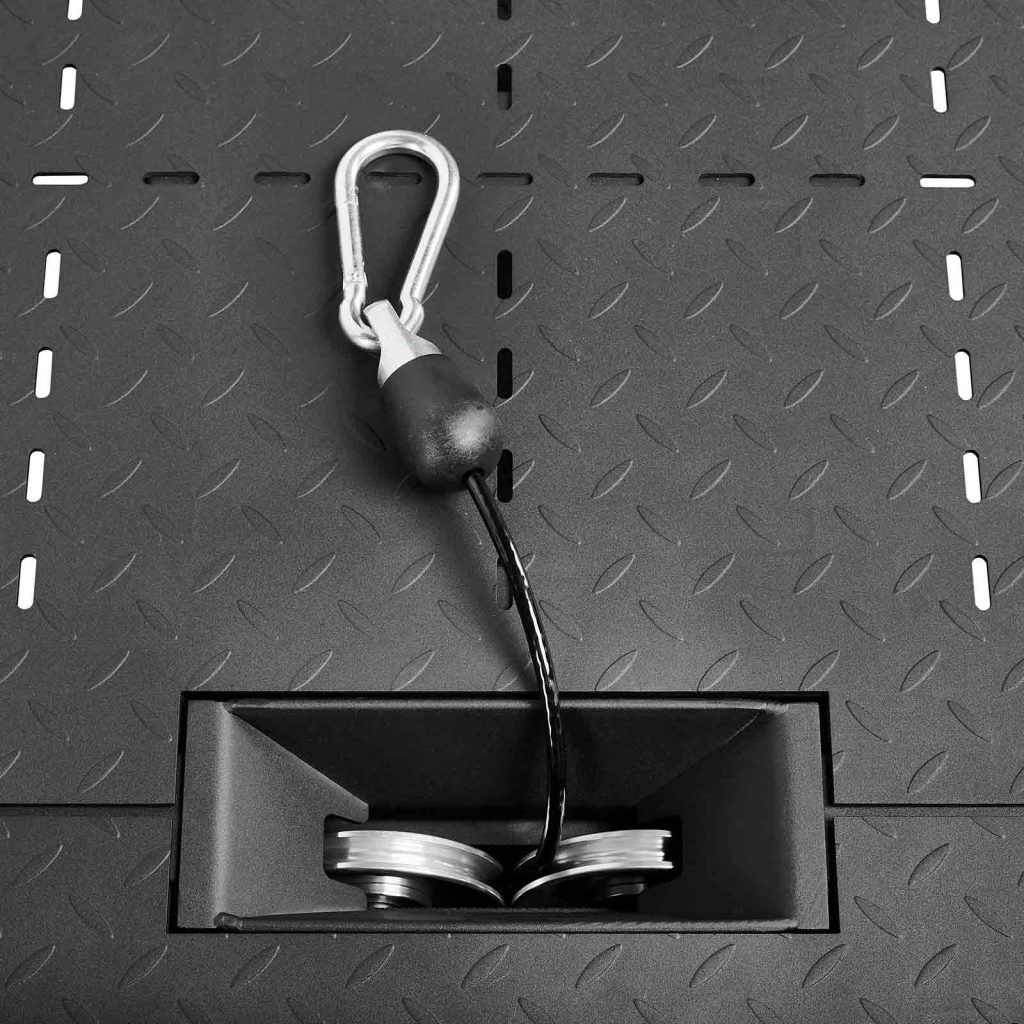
column 350, row 238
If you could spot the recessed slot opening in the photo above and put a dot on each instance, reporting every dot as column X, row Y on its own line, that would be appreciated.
column 74, row 9
column 504, row 81
column 836, row 180
column 283, row 179
column 972, row 477
column 516, row 178
column 44, row 372
column 503, row 274
column 502, row 587
column 931, row 11
column 394, row 179
column 955, row 276
column 726, row 179
column 68, row 82
column 947, row 181
column 170, row 178
column 612, row 179
column 979, row 577
column 34, row 480
column 504, row 368
column 60, row 179
column 964, row 379
column 51, row 275
column 740, row 778
column 504, row 10
column 939, row 102
column 503, row 478
column 27, row 582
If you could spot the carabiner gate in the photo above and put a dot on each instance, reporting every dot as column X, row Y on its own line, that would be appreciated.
column 350, row 239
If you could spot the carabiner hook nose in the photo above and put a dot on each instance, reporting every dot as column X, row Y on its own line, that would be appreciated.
column 350, row 238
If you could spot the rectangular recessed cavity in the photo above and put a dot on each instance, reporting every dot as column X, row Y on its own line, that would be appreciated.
column 939, row 90
column 836, row 180
column 74, row 10
column 170, row 178
column 736, row 780
column 726, row 179
column 504, row 10
column 947, row 181
column 931, row 11
column 964, row 380
column 979, row 577
column 51, row 275
column 615, row 179
column 68, row 81
column 60, row 179
column 972, row 477
column 519, row 178
column 44, row 372
column 287, row 179
column 955, row 276
column 27, row 582
column 34, row 482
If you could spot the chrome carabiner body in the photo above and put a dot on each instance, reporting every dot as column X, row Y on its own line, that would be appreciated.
column 346, row 197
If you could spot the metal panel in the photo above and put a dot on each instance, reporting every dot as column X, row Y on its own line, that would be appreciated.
column 735, row 427
column 929, row 911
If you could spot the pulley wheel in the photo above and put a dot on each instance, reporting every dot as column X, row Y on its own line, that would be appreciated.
column 408, row 869
column 594, row 870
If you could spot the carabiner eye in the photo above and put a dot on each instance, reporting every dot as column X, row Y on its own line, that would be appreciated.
column 350, row 238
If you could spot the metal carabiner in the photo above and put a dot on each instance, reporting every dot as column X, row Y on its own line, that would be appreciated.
column 350, row 239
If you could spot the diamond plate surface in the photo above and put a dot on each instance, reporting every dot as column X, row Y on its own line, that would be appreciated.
column 735, row 429
column 930, row 908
